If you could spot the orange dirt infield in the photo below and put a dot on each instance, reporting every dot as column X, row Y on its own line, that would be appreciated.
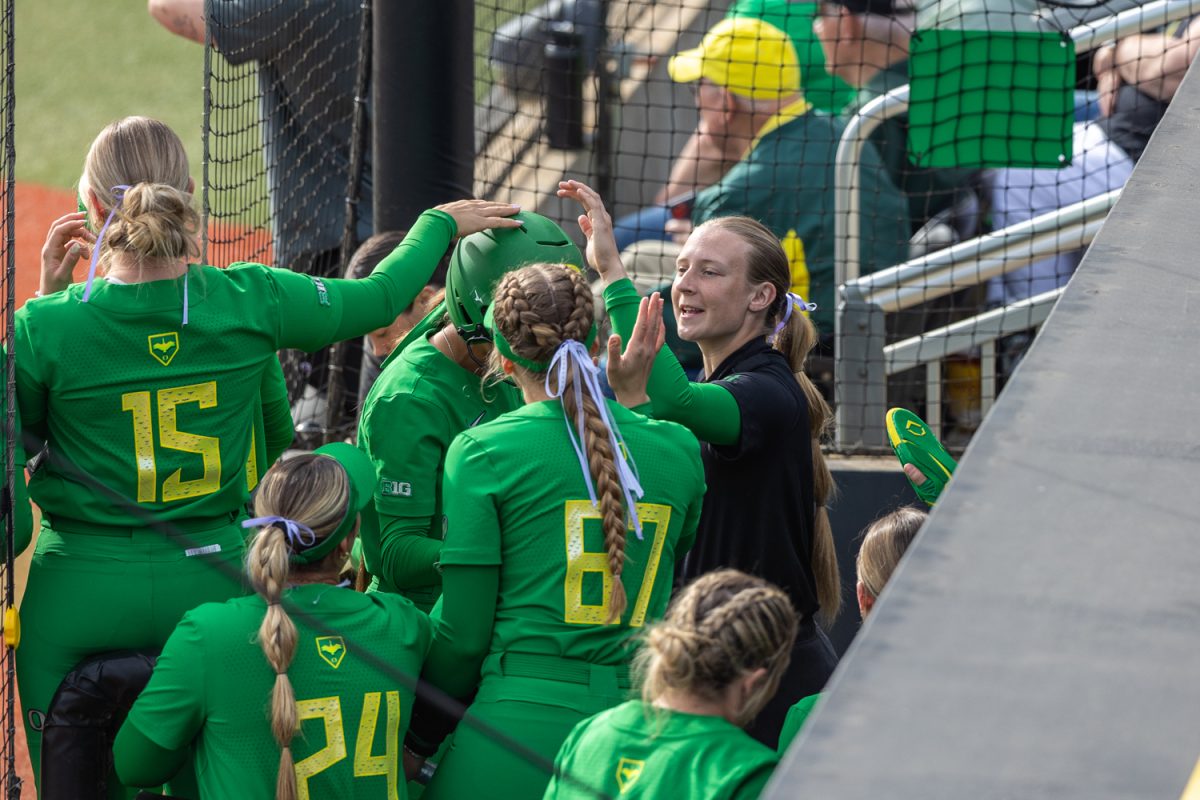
column 36, row 207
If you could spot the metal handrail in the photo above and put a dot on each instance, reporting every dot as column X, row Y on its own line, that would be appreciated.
column 847, row 212
column 989, row 326
column 972, row 262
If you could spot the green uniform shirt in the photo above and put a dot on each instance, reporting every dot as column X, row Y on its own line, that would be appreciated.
column 516, row 497
column 634, row 751
column 162, row 415
column 356, row 656
column 796, row 717
column 824, row 91
column 928, row 190
column 420, row 402
column 786, row 182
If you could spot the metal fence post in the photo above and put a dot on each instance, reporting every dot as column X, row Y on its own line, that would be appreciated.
column 859, row 373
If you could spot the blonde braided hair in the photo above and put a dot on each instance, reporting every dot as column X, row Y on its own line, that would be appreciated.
column 313, row 490
column 536, row 309
column 724, row 624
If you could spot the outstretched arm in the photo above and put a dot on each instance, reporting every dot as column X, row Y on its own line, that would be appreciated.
column 708, row 410
column 181, row 17
column 1156, row 63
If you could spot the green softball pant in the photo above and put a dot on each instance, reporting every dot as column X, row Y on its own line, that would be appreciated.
column 505, row 745
column 112, row 589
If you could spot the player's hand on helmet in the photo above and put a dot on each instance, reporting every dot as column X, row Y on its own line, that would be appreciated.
column 596, row 224
column 629, row 372
column 473, row 216
column 67, row 241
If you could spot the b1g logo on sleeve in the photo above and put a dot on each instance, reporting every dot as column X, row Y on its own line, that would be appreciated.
column 322, row 292
column 163, row 346
column 390, row 488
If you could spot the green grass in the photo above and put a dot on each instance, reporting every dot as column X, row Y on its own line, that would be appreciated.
column 80, row 65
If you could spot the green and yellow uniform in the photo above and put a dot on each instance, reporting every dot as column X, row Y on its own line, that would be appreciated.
column 636, row 751
column 826, row 92
column 786, row 182
column 527, row 588
column 356, row 658
column 149, row 424
column 421, row 401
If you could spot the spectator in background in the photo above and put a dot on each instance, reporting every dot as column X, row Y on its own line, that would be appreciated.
column 706, row 157
column 883, row 545
column 866, row 43
column 1138, row 76
column 380, row 343
column 306, row 58
column 748, row 89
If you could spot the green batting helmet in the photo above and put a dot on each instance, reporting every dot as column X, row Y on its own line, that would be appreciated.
column 482, row 258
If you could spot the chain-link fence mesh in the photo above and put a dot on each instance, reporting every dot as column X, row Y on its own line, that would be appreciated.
column 11, row 631
column 287, row 161
column 933, row 242
column 933, row 223
column 933, row 173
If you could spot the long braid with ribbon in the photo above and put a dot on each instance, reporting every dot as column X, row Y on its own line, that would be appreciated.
column 528, row 321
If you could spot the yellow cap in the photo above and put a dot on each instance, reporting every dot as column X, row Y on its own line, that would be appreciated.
column 745, row 56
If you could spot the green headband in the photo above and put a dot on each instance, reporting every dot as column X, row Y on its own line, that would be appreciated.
column 489, row 322
column 360, row 475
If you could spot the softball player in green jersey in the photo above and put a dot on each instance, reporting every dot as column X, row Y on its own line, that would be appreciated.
column 564, row 520
column 146, row 386
column 757, row 414
column 431, row 390
column 707, row 670
column 303, row 690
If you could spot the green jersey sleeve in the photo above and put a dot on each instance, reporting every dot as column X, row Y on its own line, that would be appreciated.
column 407, row 462
column 170, row 711
column 471, row 493
column 708, row 410
column 751, row 788
column 464, row 630
column 317, row 311
column 277, row 412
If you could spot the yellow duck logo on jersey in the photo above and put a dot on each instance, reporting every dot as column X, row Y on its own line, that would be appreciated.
column 163, row 346
column 331, row 649
column 628, row 772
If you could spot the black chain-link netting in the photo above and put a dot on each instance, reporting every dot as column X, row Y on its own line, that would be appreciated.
column 933, row 246
column 8, row 716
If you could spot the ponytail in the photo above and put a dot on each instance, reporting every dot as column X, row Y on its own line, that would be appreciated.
column 795, row 341
column 308, row 493
column 538, row 308
column 268, row 566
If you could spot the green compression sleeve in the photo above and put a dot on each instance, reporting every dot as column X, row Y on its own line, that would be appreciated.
column 371, row 303
column 141, row 762
column 464, row 632
column 707, row 410
column 406, row 553
column 277, row 412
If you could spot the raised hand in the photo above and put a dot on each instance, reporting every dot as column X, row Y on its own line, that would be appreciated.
column 629, row 372
column 67, row 241
column 596, row 224
column 473, row 216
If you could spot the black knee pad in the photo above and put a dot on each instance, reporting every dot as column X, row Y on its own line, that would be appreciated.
column 83, row 720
